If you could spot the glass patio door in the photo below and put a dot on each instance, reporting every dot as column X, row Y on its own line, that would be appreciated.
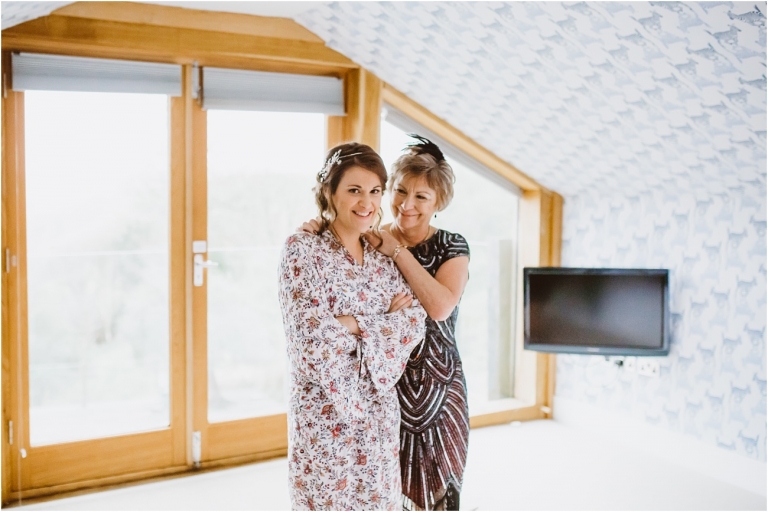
column 90, row 292
column 260, row 169
column 143, row 237
column 97, row 291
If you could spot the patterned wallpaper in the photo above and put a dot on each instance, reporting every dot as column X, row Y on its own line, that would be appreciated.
column 650, row 118
column 713, row 384
column 578, row 95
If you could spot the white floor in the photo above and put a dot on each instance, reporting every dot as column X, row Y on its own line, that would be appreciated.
column 540, row 465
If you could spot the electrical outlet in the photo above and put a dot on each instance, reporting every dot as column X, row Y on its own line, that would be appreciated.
column 647, row 367
column 630, row 364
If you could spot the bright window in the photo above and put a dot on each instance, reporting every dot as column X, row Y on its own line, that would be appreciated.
column 97, row 178
column 261, row 170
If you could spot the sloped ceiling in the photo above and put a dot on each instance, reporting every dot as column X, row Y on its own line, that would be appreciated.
column 13, row 13
column 614, row 96
column 581, row 96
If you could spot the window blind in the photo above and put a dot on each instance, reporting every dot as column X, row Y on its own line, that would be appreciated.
column 233, row 89
column 408, row 125
column 34, row 71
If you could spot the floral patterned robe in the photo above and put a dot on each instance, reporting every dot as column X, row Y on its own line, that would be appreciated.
column 343, row 413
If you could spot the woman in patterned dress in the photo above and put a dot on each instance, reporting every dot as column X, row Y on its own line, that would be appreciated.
column 434, row 432
column 350, row 324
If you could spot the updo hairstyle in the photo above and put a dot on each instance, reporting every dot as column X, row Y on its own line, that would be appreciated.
column 425, row 160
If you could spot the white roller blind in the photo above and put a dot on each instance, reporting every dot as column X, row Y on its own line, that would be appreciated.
column 34, row 71
column 408, row 125
column 232, row 89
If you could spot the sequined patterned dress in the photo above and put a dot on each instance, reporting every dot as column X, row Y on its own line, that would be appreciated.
column 434, row 431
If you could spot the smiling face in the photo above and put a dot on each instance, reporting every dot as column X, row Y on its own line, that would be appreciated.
column 413, row 204
column 357, row 200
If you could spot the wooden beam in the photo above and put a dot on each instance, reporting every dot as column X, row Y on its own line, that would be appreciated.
column 248, row 437
column 555, row 254
column 545, row 225
column 529, row 236
column 179, row 17
column 96, row 484
column 197, row 229
column 556, row 230
column 363, row 104
column 178, row 271
column 112, row 39
column 542, row 225
column 57, row 464
column 43, row 494
column 15, row 367
column 454, row 136
column 7, row 136
column 508, row 416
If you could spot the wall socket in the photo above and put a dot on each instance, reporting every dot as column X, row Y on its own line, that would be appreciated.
column 647, row 367
column 625, row 363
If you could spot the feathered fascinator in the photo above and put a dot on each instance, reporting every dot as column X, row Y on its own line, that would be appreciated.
column 424, row 145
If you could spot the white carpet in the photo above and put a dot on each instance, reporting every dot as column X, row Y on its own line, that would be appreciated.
column 539, row 465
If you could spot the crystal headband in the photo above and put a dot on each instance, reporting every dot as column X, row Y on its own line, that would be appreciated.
column 335, row 159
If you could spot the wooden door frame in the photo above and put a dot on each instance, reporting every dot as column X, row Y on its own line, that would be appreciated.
column 227, row 442
column 90, row 33
column 167, row 34
column 57, row 468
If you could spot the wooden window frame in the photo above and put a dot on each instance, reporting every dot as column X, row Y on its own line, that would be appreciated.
column 540, row 241
column 188, row 37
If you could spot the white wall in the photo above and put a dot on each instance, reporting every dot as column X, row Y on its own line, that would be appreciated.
column 712, row 386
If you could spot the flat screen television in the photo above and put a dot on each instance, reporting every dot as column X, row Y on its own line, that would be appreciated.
column 601, row 311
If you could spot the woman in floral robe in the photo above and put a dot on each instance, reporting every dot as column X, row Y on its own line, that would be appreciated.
column 351, row 324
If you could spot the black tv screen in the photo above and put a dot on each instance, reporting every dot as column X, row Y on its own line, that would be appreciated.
column 597, row 311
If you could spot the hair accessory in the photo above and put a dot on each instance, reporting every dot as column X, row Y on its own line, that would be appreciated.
column 426, row 146
column 335, row 159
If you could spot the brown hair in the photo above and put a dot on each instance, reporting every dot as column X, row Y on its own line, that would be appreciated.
column 350, row 154
column 438, row 173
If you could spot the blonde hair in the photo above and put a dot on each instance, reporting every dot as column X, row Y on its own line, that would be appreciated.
column 351, row 154
column 438, row 174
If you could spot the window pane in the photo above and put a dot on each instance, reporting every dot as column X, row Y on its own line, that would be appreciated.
column 485, row 327
column 97, row 175
column 261, row 170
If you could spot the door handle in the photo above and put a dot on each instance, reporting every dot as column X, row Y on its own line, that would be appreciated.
column 199, row 265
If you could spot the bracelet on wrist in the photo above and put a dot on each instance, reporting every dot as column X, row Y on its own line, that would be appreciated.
column 397, row 251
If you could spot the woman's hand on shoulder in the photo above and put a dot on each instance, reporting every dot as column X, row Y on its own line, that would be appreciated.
column 382, row 240
column 312, row 226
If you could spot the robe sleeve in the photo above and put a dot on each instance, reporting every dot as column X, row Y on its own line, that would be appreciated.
column 389, row 338
column 321, row 349
column 387, row 343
